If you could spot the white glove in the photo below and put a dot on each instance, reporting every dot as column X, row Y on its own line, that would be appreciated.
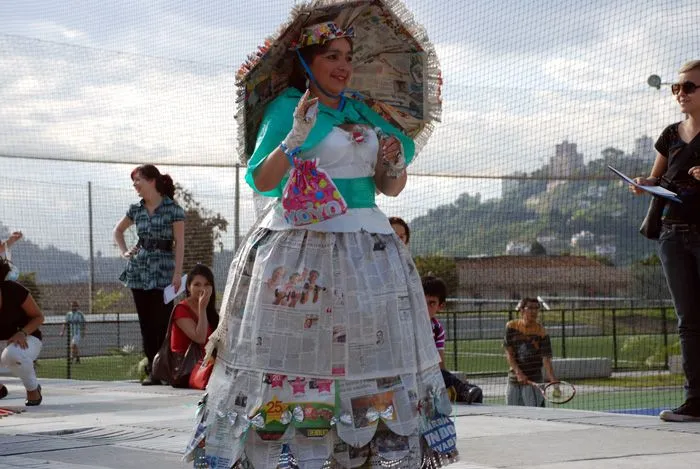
column 304, row 120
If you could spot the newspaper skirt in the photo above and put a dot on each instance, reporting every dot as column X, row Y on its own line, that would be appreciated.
column 325, row 359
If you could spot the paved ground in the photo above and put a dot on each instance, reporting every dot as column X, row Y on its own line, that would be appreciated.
column 101, row 425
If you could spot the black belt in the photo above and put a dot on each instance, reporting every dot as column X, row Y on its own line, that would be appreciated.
column 682, row 227
column 151, row 244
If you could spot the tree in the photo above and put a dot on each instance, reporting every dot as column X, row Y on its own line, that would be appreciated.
column 203, row 230
column 439, row 266
column 612, row 156
column 648, row 278
column 536, row 249
column 28, row 281
column 103, row 301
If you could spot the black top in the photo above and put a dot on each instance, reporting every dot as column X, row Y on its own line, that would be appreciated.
column 12, row 316
column 530, row 344
column 670, row 145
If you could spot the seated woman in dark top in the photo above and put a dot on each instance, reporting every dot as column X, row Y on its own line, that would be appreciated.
column 20, row 319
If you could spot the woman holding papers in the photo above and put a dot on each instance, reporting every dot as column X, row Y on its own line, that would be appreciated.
column 156, row 260
column 678, row 163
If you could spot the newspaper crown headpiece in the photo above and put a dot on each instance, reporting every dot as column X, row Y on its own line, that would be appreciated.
column 319, row 34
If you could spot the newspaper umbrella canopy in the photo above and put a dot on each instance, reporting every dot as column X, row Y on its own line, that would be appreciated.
column 395, row 68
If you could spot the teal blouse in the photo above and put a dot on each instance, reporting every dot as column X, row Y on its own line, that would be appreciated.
column 277, row 122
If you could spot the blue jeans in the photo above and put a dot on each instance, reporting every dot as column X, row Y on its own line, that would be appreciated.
column 679, row 252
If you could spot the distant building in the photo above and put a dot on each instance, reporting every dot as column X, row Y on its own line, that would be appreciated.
column 516, row 276
column 644, row 149
column 565, row 163
column 552, row 244
column 519, row 185
column 606, row 250
column 582, row 239
column 516, row 248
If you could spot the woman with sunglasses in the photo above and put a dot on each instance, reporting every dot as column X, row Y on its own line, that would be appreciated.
column 679, row 241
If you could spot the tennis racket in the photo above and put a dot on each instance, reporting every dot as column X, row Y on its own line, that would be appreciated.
column 556, row 392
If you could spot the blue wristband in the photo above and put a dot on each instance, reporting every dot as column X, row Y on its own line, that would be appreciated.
column 289, row 153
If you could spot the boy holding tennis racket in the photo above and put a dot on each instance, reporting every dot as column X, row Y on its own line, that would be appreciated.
column 527, row 348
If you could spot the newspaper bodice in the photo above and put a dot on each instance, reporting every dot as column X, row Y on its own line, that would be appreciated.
column 349, row 156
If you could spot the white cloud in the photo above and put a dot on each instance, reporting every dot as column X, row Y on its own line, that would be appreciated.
column 155, row 83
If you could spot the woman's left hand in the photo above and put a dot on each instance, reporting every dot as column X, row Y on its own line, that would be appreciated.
column 390, row 149
column 695, row 172
column 177, row 281
column 18, row 338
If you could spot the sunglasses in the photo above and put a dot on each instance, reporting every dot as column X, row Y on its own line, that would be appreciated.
column 688, row 87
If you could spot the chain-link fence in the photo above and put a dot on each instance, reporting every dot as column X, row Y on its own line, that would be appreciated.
column 511, row 197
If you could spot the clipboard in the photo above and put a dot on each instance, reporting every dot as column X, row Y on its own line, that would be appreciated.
column 654, row 190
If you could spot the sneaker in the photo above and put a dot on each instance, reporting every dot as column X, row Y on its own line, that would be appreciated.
column 150, row 381
column 689, row 411
column 452, row 394
column 469, row 394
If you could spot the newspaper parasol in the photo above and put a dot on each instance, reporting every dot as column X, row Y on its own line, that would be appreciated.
column 395, row 68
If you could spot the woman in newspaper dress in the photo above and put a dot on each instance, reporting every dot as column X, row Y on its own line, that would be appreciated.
column 307, row 383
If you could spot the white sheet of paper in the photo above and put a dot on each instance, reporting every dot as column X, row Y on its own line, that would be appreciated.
column 169, row 293
column 655, row 190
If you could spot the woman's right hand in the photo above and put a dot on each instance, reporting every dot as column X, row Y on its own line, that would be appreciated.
column 642, row 181
column 204, row 297
column 304, row 120
column 128, row 254
column 20, row 339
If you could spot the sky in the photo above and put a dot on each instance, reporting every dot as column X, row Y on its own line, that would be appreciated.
column 128, row 81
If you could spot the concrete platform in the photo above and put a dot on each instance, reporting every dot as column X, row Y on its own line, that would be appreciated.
column 110, row 425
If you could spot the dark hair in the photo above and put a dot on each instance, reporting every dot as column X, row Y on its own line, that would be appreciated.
column 298, row 77
column 400, row 221
column 204, row 271
column 434, row 286
column 526, row 301
column 4, row 268
column 164, row 183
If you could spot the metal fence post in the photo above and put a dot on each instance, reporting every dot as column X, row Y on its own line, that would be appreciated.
column 614, row 338
column 563, row 333
column 68, row 357
column 91, row 265
column 481, row 327
column 664, row 329
column 454, row 339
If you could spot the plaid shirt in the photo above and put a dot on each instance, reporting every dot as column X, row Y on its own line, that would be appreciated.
column 150, row 269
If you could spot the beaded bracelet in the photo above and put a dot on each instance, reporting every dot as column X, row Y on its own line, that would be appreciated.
column 394, row 170
column 290, row 154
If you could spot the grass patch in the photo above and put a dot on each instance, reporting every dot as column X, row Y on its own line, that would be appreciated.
column 651, row 380
column 117, row 367
column 487, row 355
